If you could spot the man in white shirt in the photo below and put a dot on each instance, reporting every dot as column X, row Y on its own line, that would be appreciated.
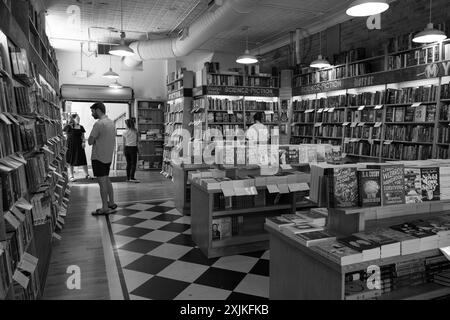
column 257, row 135
column 102, row 139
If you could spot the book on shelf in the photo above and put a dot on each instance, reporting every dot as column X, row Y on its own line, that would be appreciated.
column 314, row 217
column 392, row 183
column 278, row 222
column 338, row 252
column 369, row 249
column 221, row 228
column 428, row 240
column 369, row 182
column 430, row 183
column 389, row 247
column 300, row 228
column 342, row 187
column 314, row 237
column 413, row 185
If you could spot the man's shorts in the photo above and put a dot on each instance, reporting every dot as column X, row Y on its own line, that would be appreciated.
column 100, row 169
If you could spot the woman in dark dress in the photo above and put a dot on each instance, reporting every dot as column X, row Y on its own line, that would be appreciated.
column 75, row 156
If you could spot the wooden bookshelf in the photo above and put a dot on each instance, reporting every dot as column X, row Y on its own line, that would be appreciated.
column 183, row 185
column 177, row 114
column 252, row 239
column 49, row 178
column 150, row 127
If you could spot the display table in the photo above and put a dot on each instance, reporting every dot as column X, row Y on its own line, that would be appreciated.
column 253, row 236
column 299, row 272
column 183, row 186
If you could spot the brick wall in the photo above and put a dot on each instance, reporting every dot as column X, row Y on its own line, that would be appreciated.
column 403, row 16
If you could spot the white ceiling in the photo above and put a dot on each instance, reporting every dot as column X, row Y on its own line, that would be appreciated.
column 161, row 18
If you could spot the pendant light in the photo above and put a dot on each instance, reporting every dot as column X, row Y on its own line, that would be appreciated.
column 121, row 50
column 110, row 74
column 116, row 85
column 364, row 8
column 320, row 62
column 429, row 34
column 246, row 58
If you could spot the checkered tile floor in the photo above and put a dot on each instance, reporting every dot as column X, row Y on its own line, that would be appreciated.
column 160, row 261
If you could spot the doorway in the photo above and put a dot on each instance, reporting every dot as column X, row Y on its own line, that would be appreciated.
column 116, row 111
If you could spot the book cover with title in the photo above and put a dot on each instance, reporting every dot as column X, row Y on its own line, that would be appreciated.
column 369, row 187
column 430, row 184
column 392, row 183
column 343, row 187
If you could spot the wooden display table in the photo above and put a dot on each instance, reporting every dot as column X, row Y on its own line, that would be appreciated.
column 299, row 273
column 254, row 237
column 183, row 186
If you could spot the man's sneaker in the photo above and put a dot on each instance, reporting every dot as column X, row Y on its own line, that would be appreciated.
column 134, row 180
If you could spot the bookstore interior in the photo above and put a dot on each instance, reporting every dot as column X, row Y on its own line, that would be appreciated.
column 263, row 150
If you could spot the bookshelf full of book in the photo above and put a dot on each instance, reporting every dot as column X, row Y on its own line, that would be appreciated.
column 150, row 125
column 398, row 114
column 177, row 115
column 226, row 101
column 33, row 189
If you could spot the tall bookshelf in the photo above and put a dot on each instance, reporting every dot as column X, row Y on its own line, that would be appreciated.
column 394, row 112
column 34, row 182
column 227, row 100
column 150, row 125
column 177, row 115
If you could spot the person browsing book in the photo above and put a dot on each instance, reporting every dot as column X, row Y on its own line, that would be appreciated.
column 130, row 142
column 258, row 139
column 102, row 140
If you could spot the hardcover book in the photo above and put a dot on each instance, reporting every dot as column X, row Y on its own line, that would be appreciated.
column 392, row 183
column 413, row 186
column 342, row 187
column 369, row 249
column 314, row 237
column 338, row 252
column 430, row 183
column 369, row 187
column 278, row 222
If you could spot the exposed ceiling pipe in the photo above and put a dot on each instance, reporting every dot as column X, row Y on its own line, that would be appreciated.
column 208, row 25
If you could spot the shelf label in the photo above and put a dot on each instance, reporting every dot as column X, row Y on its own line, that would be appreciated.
column 24, row 204
column 268, row 112
column 361, row 124
column 21, row 279
column 416, row 104
column 331, row 110
column 283, row 188
column 446, row 252
column 354, row 124
column 379, row 106
column 361, row 108
column 27, row 266
column 272, row 188
column 345, row 124
column 18, row 214
column 56, row 236
column 387, row 142
column 11, row 219
column 320, row 110
column 318, row 124
column 378, row 124
column 309, row 110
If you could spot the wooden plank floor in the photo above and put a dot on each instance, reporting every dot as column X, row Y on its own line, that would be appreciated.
column 81, row 243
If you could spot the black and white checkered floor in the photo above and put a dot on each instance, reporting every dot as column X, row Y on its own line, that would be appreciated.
column 160, row 261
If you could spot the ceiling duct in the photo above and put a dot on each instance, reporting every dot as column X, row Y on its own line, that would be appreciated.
column 211, row 23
